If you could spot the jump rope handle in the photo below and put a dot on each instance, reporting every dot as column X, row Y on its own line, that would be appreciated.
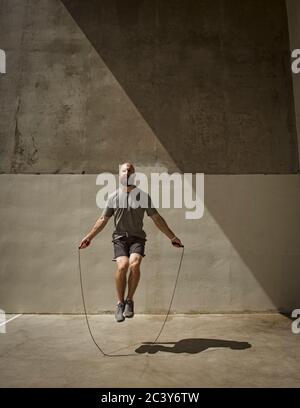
column 177, row 245
column 87, row 242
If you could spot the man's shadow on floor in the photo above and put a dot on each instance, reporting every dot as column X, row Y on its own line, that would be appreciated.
column 191, row 346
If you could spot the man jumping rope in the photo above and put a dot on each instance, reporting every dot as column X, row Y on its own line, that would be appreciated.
column 129, row 238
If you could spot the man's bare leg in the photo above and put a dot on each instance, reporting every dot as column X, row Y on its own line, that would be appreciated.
column 120, row 277
column 134, row 276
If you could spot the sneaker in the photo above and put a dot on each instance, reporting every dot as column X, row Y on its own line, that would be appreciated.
column 119, row 312
column 129, row 312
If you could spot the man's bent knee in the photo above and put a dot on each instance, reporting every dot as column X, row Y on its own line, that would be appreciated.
column 135, row 265
column 123, row 264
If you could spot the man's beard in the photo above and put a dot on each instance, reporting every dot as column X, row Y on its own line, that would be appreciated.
column 127, row 181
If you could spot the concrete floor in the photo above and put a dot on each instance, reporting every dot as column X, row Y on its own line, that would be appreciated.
column 237, row 350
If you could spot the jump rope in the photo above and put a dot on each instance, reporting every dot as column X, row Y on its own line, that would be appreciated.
column 161, row 329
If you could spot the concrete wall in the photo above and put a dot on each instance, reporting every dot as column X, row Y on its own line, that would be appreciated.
column 293, row 10
column 198, row 85
column 87, row 88
column 242, row 255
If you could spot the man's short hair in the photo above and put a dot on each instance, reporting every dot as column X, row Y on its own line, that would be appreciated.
column 131, row 165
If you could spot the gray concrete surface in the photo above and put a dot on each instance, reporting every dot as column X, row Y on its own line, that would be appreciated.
column 242, row 255
column 198, row 85
column 253, row 350
column 293, row 10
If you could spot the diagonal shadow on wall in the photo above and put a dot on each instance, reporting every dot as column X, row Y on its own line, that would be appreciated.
column 211, row 78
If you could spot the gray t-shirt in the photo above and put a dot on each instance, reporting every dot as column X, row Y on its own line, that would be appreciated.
column 128, row 209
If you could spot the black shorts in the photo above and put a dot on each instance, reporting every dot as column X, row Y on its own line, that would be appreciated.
column 125, row 246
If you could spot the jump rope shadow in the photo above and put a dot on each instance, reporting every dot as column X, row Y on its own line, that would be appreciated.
column 191, row 346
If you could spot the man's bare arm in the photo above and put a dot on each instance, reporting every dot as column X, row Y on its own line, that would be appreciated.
column 161, row 224
column 99, row 225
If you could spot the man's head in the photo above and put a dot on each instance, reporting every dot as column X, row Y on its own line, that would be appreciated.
column 126, row 173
